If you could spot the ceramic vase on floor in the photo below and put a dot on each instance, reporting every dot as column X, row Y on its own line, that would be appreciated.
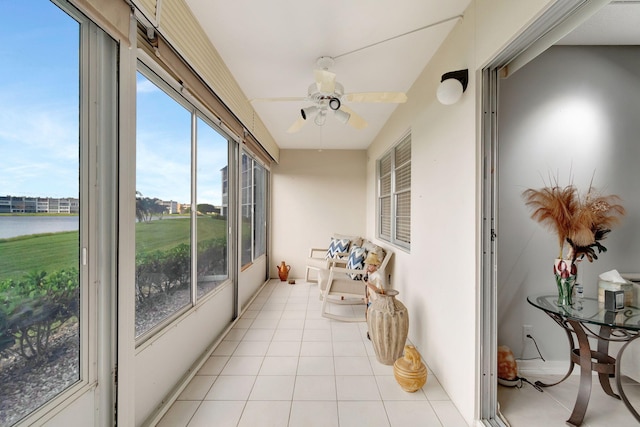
column 565, row 272
column 283, row 271
column 409, row 370
column 388, row 322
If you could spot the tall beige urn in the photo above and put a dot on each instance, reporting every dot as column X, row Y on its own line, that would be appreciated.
column 388, row 322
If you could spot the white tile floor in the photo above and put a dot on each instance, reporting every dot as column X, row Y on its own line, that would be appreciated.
column 284, row 365
column 552, row 407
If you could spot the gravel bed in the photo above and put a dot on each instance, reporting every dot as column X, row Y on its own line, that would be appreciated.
column 26, row 385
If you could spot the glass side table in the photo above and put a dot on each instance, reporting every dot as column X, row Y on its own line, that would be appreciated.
column 588, row 318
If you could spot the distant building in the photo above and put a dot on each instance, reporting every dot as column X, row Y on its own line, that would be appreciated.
column 21, row 204
column 170, row 207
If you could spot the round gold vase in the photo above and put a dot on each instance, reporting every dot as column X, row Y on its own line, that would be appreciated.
column 409, row 370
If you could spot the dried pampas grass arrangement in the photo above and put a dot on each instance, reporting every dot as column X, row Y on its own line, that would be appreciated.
column 580, row 222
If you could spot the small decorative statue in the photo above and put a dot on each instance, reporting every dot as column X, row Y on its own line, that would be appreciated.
column 372, row 278
column 507, row 366
column 410, row 372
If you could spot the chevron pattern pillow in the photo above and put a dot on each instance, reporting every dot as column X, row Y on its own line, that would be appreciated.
column 356, row 259
column 337, row 246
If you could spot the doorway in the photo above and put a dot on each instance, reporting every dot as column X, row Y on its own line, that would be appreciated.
column 555, row 23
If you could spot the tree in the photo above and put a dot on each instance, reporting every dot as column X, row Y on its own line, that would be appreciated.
column 146, row 207
column 206, row 208
column 140, row 212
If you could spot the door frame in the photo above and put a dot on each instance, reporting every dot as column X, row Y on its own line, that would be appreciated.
column 558, row 20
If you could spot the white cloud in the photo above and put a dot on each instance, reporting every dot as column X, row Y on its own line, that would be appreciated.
column 145, row 86
column 39, row 148
column 45, row 130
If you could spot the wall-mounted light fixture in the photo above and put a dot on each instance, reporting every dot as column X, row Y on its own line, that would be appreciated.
column 452, row 86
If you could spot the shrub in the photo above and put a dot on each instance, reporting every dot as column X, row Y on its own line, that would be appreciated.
column 32, row 308
column 212, row 256
column 159, row 272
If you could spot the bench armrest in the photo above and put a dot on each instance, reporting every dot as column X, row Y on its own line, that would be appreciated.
column 313, row 252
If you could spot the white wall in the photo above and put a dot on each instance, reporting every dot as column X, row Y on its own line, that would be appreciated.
column 161, row 363
column 80, row 412
column 570, row 113
column 439, row 280
column 314, row 194
column 250, row 280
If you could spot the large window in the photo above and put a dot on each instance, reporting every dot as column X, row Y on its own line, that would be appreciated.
column 163, row 202
column 212, row 217
column 44, row 205
column 394, row 194
column 253, row 209
column 181, row 212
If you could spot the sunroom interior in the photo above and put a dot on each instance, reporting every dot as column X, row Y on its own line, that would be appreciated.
column 188, row 191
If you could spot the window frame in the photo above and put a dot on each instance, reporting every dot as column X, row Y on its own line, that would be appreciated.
column 172, row 88
column 97, row 126
column 165, row 86
column 391, row 197
column 200, row 117
column 255, row 162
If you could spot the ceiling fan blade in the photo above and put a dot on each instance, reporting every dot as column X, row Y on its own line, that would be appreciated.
column 325, row 81
column 291, row 98
column 355, row 120
column 297, row 125
column 393, row 97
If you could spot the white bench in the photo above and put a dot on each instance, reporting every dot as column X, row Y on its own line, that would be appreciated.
column 341, row 285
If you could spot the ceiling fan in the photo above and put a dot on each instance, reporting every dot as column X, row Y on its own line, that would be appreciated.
column 327, row 95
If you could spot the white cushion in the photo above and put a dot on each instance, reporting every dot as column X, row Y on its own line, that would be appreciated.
column 355, row 240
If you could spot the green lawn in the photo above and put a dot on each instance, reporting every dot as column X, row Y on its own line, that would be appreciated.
column 55, row 251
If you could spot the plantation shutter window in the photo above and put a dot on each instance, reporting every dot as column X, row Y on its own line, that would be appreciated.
column 394, row 194
column 385, row 197
column 403, row 191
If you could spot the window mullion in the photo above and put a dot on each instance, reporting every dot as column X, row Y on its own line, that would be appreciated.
column 194, row 209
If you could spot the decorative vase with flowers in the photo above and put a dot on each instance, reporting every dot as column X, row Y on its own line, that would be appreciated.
column 580, row 222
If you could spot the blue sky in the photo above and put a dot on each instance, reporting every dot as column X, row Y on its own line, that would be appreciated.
column 39, row 116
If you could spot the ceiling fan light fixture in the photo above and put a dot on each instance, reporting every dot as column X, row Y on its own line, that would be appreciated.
column 342, row 116
column 308, row 111
column 320, row 118
column 334, row 104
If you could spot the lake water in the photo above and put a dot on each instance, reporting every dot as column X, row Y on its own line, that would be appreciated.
column 20, row 225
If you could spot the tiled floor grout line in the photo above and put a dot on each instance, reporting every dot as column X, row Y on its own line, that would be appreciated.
column 271, row 306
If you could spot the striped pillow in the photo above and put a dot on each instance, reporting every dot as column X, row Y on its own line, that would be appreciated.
column 337, row 246
column 356, row 259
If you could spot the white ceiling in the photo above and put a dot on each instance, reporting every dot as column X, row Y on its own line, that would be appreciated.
column 616, row 24
column 271, row 47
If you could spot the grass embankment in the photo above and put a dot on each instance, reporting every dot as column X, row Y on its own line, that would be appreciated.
column 55, row 251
